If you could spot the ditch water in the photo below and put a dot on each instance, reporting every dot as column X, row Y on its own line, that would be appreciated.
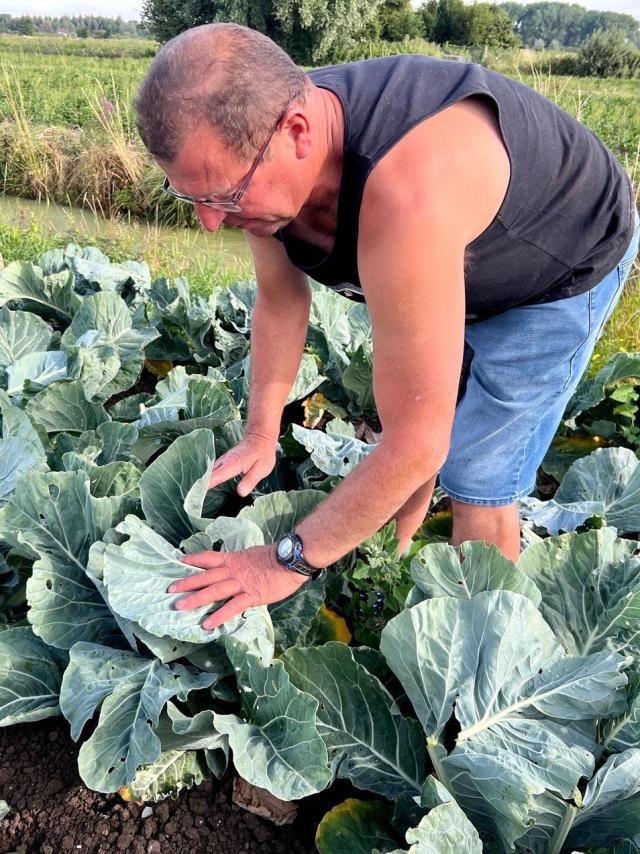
column 84, row 226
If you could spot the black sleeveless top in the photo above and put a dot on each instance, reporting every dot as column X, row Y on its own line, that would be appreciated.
column 568, row 214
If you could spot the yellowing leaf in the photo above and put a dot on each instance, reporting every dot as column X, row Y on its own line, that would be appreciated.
column 575, row 443
column 355, row 827
column 158, row 367
column 336, row 626
column 315, row 407
column 126, row 794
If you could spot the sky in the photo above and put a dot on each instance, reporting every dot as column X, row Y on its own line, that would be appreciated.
column 130, row 9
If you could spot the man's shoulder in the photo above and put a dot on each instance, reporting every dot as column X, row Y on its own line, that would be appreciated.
column 458, row 155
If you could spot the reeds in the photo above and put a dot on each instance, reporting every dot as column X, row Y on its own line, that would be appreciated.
column 102, row 166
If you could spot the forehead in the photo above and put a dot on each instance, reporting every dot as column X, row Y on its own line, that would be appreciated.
column 203, row 165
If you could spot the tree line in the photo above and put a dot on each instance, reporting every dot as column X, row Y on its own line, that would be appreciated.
column 325, row 30
column 82, row 26
column 565, row 24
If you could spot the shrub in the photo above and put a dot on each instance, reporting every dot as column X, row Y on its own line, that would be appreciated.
column 607, row 53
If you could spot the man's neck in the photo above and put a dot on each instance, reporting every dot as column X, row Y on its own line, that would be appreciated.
column 323, row 199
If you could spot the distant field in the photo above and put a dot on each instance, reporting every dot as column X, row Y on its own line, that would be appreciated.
column 109, row 48
column 58, row 88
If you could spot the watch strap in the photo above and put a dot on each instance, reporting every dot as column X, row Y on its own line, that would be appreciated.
column 297, row 562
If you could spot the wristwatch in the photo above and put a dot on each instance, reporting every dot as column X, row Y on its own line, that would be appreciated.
column 289, row 554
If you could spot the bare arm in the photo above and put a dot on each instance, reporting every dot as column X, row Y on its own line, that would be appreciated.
column 278, row 334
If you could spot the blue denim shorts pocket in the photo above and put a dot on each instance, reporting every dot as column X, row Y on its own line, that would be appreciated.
column 526, row 365
column 625, row 266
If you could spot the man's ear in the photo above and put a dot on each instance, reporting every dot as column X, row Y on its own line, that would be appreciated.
column 299, row 133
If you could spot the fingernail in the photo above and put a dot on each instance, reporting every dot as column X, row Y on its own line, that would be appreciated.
column 180, row 605
column 171, row 588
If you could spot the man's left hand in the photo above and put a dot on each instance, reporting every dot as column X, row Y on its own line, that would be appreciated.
column 250, row 577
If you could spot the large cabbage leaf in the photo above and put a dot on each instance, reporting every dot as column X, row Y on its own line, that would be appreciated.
column 495, row 664
column 53, row 517
column 276, row 745
column 439, row 569
column 64, row 406
column 604, row 484
column 20, row 447
column 590, row 586
column 131, row 691
column 30, row 677
column 174, row 486
column 137, row 574
column 48, row 296
column 608, row 812
column 21, row 333
column 35, row 371
column 370, row 743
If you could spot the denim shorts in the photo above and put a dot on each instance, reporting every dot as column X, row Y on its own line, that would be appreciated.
column 526, row 365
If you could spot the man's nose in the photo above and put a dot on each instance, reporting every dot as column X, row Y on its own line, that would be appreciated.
column 210, row 218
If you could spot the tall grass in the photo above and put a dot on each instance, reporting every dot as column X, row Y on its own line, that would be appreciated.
column 102, row 166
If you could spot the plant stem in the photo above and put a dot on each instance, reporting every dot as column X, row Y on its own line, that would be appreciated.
column 432, row 749
column 562, row 831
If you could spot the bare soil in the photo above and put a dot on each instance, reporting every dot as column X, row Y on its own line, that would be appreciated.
column 52, row 811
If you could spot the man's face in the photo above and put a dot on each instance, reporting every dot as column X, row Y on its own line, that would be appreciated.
column 204, row 168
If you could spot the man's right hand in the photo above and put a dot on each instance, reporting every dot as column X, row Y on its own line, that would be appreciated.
column 254, row 457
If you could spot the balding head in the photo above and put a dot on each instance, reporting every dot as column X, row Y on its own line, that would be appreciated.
column 233, row 78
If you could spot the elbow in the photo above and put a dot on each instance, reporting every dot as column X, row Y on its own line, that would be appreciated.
column 424, row 459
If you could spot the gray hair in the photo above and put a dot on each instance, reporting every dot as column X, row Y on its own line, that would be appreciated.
column 233, row 78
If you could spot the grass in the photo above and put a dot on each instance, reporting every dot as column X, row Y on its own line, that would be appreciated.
column 27, row 240
column 112, row 48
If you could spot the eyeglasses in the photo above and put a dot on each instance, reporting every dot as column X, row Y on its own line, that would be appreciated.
column 230, row 204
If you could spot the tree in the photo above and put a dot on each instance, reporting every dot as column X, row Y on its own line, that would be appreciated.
column 452, row 22
column 488, row 25
column 397, row 20
column 311, row 31
column 606, row 53
column 428, row 13
column 24, row 26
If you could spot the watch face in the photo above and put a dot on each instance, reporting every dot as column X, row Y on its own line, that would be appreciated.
column 285, row 547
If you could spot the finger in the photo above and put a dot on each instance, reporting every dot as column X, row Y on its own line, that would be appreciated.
column 212, row 593
column 206, row 560
column 224, row 469
column 197, row 580
column 227, row 611
column 252, row 478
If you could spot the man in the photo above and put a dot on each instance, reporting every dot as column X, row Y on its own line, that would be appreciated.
column 460, row 205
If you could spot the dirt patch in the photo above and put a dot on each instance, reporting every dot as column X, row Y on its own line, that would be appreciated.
column 52, row 811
